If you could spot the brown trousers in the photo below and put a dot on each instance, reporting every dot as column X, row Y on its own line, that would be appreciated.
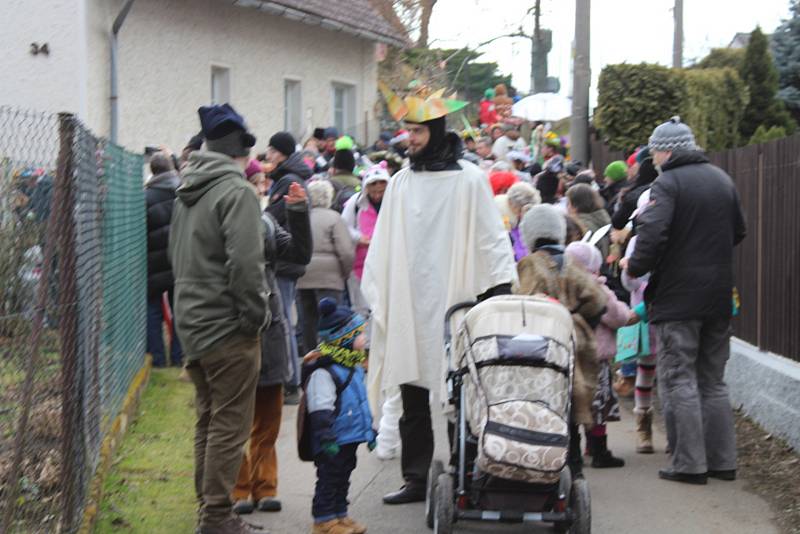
column 258, row 476
column 225, row 380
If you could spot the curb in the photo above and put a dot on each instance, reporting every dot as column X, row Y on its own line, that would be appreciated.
column 767, row 387
column 110, row 443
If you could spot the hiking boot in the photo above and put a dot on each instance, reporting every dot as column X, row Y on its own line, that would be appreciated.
column 243, row 506
column 698, row 479
column 232, row 525
column 269, row 504
column 357, row 528
column 625, row 386
column 727, row 474
column 407, row 494
column 331, row 527
column 601, row 456
column 644, row 430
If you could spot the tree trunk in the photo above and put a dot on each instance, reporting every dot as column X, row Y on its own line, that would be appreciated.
column 424, row 21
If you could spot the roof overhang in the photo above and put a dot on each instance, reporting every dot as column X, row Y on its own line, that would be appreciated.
column 311, row 19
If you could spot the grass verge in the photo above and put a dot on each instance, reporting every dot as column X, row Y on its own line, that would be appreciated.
column 150, row 486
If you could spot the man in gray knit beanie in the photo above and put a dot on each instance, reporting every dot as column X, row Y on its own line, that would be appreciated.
column 668, row 137
column 685, row 239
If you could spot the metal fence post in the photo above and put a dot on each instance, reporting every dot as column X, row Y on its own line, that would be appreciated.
column 71, row 383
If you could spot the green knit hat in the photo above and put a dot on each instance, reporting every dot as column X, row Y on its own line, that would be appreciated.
column 488, row 94
column 345, row 142
column 616, row 171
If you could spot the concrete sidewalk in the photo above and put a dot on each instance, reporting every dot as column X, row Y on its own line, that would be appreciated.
column 630, row 499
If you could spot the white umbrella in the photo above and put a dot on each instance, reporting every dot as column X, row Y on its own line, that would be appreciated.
column 543, row 107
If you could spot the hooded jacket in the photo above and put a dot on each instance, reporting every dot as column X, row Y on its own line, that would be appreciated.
column 216, row 248
column 686, row 238
column 159, row 197
column 292, row 170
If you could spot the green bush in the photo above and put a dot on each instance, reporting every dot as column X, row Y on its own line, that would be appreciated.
column 714, row 107
column 634, row 99
column 763, row 135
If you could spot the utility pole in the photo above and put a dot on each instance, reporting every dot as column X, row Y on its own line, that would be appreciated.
column 581, row 79
column 541, row 44
column 677, row 40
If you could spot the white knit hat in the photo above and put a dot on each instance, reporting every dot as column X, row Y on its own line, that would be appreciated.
column 672, row 135
column 543, row 221
column 376, row 173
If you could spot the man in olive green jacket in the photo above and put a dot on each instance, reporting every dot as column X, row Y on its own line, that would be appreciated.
column 216, row 248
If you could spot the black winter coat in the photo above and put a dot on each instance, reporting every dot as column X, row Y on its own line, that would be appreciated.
column 160, row 198
column 293, row 246
column 610, row 193
column 686, row 240
column 293, row 170
column 629, row 197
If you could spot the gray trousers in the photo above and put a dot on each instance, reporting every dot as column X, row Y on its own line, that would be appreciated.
column 697, row 410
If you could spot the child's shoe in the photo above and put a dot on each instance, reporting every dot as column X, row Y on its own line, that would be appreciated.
column 357, row 528
column 331, row 527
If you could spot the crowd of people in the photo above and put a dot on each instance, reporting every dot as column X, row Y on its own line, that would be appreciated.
column 297, row 270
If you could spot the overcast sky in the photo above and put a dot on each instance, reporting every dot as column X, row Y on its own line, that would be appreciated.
column 629, row 31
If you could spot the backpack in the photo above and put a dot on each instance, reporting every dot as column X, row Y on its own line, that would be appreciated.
column 305, row 449
column 342, row 194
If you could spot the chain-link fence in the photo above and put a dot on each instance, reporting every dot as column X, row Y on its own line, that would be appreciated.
column 72, row 311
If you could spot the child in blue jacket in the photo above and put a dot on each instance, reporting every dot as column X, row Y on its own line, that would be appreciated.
column 338, row 414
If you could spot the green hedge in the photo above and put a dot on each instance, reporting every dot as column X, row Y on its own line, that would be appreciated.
column 634, row 99
column 714, row 108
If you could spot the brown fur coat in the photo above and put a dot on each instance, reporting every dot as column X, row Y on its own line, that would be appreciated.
column 583, row 297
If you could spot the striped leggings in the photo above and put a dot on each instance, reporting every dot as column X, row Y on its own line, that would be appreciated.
column 645, row 377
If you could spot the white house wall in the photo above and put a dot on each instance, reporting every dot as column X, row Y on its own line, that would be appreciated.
column 42, row 82
column 167, row 49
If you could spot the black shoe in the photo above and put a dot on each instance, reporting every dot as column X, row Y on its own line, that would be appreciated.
column 268, row 504
column 407, row 494
column 728, row 474
column 244, row 506
column 699, row 479
column 601, row 456
column 606, row 459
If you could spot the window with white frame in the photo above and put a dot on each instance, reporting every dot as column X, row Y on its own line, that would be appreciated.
column 292, row 108
column 344, row 108
column 220, row 85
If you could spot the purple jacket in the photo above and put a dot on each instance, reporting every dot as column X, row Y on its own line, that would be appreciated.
column 520, row 250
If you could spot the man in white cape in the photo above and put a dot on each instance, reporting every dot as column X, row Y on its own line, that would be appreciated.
column 439, row 240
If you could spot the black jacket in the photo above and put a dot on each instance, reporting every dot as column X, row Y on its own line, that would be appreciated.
column 686, row 240
column 293, row 246
column 293, row 170
column 629, row 197
column 160, row 198
column 610, row 193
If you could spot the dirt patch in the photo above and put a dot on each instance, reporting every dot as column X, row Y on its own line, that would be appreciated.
column 772, row 470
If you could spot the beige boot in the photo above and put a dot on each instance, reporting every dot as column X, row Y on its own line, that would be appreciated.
column 644, row 430
column 357, row 528
column 331, row 527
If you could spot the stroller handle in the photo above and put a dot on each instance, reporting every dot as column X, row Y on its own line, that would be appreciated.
column 453, row 310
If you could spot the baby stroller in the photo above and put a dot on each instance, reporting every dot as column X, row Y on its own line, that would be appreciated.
column 510, row 369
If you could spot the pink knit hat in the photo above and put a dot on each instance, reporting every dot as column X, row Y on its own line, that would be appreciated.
column 585, row 255
column 254, row 167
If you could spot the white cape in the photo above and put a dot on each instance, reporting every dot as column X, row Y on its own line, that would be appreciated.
column 439, row 240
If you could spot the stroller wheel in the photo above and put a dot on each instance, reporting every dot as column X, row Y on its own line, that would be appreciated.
column 444, row 510
column 580, row 503
column 437, row 468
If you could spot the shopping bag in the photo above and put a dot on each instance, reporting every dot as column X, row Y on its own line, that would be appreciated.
column 633, row 341
column 627, row 342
